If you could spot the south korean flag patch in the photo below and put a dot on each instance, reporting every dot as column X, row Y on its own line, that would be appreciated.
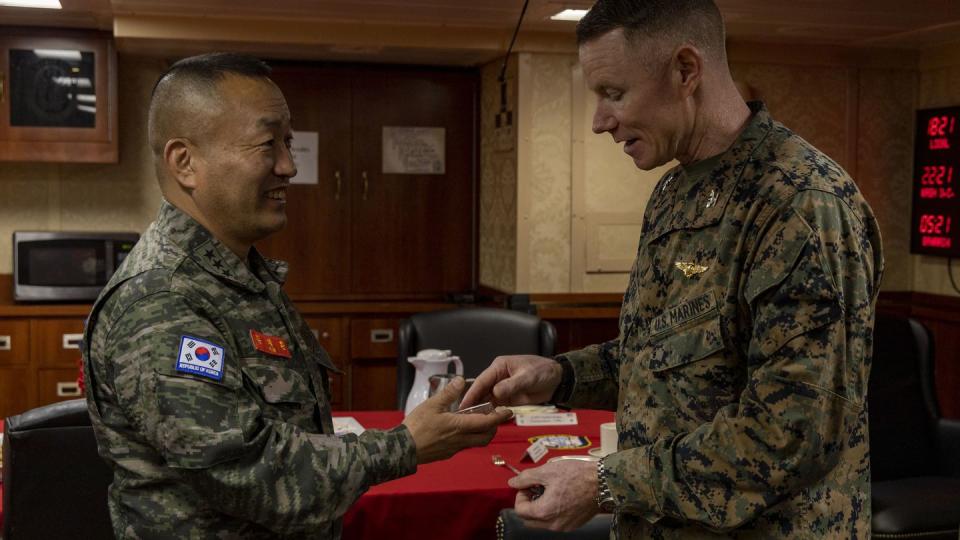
column 201, row 358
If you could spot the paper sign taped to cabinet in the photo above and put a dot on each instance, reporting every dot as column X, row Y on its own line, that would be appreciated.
column 414, row 150
column 306, row 154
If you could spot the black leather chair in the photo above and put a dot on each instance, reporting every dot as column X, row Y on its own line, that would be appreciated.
column 915, row 454
column 511, row 527
column 54, row 482
column 476, row 335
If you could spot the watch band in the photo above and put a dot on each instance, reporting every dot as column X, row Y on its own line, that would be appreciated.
column 605, row 501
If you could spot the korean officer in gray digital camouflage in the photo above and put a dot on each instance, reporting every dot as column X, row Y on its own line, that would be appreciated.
column 207, row 390
column 740, row 371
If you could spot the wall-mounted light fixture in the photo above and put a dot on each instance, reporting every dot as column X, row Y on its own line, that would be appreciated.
column 45, row 4
column 569, row 15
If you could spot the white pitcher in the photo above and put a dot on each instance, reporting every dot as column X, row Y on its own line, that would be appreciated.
column 428, row 362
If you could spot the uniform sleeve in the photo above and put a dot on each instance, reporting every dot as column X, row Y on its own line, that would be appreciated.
column 811, row 292
column 594, row 376
column 250, row 466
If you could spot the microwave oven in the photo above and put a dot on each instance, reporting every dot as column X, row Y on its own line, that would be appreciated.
column 66, row 266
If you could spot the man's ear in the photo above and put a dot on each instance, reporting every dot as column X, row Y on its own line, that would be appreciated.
column 688, row 69
column 179, row 157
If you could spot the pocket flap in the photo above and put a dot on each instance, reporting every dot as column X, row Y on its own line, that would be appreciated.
column 279, row 384
column 687, row 345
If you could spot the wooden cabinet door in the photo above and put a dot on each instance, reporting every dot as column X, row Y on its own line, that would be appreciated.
column 316, row 240
column 413, row 233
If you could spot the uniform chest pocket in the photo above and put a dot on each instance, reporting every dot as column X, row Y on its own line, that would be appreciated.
column 692, row 342
column 278, row 385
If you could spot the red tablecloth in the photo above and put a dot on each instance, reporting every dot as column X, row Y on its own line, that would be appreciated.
column 458, row 498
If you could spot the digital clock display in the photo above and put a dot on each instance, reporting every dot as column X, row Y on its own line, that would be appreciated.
column 935, row 229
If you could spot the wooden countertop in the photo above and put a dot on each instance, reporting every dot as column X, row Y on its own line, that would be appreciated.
column 549, row 306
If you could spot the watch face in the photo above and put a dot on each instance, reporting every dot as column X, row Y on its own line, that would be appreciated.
column 52, row 88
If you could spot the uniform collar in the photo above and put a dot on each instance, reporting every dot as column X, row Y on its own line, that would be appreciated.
column 213, row 256
column 695, row 196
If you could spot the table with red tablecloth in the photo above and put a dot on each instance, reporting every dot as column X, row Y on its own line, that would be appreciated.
column 458, row 498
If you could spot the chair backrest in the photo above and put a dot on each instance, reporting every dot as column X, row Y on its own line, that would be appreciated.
column 901, row 400
column 54, row 481
column 476, row 335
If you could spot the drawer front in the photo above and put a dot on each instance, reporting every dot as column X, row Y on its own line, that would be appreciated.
column 329, row 332
column 373, row 338
column 14, row 391
column 14, row 342
column 56, row 342
column 55, row 385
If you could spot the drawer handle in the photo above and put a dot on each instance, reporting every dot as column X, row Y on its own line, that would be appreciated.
column 381, row 335
column 68, row 389
column 5, row 343
column 320, row 335
column 72, row 341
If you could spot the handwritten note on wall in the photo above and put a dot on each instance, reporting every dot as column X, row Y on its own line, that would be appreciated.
column 414, row 150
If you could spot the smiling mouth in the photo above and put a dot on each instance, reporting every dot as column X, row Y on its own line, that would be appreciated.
column 278, row 194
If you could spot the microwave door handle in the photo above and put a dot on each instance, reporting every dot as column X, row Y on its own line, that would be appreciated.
column 108, row 265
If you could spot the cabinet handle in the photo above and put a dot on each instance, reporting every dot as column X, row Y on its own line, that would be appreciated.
column 381, row 335
column 366, row 184
column 320, row 335
column 5, row 343
column 72, row 341
column 336, row 175
column 68, row 389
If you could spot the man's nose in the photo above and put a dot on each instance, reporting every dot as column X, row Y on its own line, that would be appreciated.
column 603, row 122
column 285, row 166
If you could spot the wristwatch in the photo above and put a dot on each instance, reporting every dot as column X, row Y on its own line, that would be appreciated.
column 604, row 498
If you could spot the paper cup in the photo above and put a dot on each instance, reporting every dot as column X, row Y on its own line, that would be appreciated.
column 608, row 438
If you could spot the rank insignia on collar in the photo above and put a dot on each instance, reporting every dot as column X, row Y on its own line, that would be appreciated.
column 690, row 269
column 712, row 199
column 272, row 345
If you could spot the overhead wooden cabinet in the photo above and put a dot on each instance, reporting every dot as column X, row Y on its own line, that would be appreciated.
column 361, row 232
column 58, row 96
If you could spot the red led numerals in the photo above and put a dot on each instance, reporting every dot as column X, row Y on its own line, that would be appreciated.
column 934, row 224
column 936, row 175
column 940, row 126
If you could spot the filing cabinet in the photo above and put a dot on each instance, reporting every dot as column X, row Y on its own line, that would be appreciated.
column 14, row 366
column 55, row 356
column 39, row 362
column 373, row 363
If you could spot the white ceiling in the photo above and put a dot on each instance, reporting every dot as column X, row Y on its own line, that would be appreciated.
column 902, row 24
